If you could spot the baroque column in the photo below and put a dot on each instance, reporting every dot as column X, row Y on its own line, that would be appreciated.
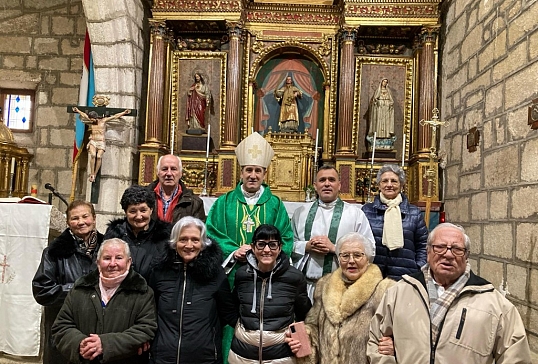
column 427, row 84
column 345, row 95
column 233, row 82
column 156, row 89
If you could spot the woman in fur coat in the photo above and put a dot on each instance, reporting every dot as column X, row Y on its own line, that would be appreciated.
column 344, row 302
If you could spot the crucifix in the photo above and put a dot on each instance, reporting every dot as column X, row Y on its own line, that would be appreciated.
column 434, row 123
column 97, row 117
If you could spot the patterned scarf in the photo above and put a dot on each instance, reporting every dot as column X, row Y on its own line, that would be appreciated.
column 439, row 305
column 392, row 225
column 87, row 246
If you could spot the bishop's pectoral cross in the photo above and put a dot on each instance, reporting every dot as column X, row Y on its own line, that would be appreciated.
column 97, row 117
column 434, row 123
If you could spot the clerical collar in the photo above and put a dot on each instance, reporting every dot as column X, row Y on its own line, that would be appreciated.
column 327, row 205
column 252, row 198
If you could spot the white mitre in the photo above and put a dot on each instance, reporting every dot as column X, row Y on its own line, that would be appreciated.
column 254, row 150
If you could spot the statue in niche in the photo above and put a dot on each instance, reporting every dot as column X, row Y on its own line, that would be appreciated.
column 382, row 112
column 198, row 100
column 289, row 113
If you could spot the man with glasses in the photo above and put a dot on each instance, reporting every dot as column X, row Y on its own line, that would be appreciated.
column 318, row 225
column 446, row 314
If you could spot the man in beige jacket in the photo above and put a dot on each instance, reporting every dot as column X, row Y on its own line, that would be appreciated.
column 447, row 314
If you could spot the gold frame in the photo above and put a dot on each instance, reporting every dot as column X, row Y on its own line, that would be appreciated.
column 407, row 103
column 175, row 81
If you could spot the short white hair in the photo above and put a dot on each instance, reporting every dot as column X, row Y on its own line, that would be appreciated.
column 114, row 241
column 166, row 155
column 359, row 238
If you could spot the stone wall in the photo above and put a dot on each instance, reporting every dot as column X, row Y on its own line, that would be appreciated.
column 41, row 45
column 489, row 75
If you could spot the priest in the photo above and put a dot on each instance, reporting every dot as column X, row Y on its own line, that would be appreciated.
column 318, row 225
column 234, row 216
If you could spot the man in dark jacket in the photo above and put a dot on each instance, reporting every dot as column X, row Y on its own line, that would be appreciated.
column 174, row 199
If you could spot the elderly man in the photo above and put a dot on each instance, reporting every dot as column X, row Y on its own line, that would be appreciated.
column 173, row 199
column 447, row 314
column 318, row 225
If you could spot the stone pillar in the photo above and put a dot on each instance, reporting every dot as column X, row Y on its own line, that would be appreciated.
column 427, row 84
column 233, row 82
column 345, row 94
column 157, row 82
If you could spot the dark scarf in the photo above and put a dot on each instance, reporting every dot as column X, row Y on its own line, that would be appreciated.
column 88, row 246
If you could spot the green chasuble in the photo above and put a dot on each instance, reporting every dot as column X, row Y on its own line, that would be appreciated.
column 231, row 223
column 228, row 222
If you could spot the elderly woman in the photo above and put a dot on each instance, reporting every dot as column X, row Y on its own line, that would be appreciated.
column 398, row 227
column 147, row 238
column 344, row 303
column 109, row 314
column 193, row 298
column 272, row 294
column 67, row 258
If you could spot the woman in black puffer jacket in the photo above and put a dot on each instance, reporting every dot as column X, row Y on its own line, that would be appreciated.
column 193, row 298
column 398, row 227
column 147, row 238
column 272, row 295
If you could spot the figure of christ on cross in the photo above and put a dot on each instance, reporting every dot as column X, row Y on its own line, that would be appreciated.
column 96, row 144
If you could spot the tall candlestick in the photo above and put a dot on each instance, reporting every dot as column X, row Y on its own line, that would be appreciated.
column 12, row 165
column 316, row 150
column 403, row 150
column 208, row 139
column 373, row 147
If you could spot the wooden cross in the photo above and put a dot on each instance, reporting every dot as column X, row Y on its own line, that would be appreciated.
column 97, row 117
column 434, row 123
column 4, row 266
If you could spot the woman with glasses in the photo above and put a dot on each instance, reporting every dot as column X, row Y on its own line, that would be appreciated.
column 398, row 227
column 344, row 303
column 193, row 298
column 272, row 295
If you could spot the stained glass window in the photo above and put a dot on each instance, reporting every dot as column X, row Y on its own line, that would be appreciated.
column 17, row 108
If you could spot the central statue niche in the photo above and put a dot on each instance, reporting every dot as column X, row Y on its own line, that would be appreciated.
column 288, row 95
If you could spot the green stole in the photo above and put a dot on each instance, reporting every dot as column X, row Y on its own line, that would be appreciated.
column 333, row 230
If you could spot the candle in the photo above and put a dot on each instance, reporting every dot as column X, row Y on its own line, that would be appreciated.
column 316, row 150
column 208, row 139
column 12, row 165
column 373, row 148
column 251, row 130
column 403, row 150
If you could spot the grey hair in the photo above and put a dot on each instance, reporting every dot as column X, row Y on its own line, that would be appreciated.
column 186, row 222
column 466, row 239
column 356, row 237
column 178, row 160
column 115, row 241
column 394, row 169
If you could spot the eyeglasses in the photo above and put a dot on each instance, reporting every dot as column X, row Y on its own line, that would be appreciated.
column 345, row 257
column 442, row 249
column 272, row 244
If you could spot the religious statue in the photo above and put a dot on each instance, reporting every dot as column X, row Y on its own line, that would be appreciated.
column 198, row 99
column 96, row 144
column 382, row 112
column 289, row 113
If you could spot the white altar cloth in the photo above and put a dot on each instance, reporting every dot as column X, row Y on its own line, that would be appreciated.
column 24, row 231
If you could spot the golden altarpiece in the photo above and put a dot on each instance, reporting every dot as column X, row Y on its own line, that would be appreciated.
column 337, row 53
column 14, row 165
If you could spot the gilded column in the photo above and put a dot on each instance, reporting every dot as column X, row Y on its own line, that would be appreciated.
column 233, row 81
column 428, row 84
column 157, row 82
column 345, row 95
